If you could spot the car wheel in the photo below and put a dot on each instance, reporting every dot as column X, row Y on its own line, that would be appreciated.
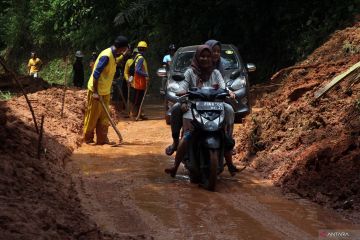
column 238, row 118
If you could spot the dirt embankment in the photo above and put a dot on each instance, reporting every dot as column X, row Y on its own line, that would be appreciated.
column 306, row 146
column 29, row 84
column 37, row 197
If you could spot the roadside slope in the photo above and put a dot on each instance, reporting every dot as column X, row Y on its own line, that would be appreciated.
column 310, row 147
column 38, row 198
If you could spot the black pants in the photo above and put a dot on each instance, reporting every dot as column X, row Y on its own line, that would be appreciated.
column 124, row 89
column 136, row 97
column 176, row 120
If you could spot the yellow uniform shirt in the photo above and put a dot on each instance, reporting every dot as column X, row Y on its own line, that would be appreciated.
column 126, row 70
column 106, row 76
column 34, row 65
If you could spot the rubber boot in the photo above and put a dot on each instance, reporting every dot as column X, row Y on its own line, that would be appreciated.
column 101, row 135
column 89, row 137
column 180, row 154
column 133, row 112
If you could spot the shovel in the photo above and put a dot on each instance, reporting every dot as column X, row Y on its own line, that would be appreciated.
column 141, row 105
column 111, row 121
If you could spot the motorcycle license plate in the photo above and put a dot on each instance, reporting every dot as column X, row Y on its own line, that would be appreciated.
column 206, row 106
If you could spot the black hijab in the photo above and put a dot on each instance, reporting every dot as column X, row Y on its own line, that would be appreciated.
column 202, row 72
column 218, row 65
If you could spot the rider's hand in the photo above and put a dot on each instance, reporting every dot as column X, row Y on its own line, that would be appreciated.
column 232, row 94
column 184, row 107
column 95, row 96
column 180, row 93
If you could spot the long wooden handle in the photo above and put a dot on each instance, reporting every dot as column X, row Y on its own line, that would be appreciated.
column 111, row 121
column 142, row 101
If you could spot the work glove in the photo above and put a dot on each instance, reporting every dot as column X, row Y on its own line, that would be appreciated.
column 96, row 96
column 131, row 78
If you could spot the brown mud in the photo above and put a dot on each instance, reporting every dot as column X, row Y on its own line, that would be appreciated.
column 38, row 199
column 310, row 147
column 126, row 191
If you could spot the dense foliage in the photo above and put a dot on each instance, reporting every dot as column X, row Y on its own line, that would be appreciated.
column 271, row 34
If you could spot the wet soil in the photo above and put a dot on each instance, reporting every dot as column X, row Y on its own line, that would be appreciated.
column 126, row 192
column 307, row 146
column 38, row 199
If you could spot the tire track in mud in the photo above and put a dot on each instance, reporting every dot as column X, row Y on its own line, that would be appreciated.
column 126, row 192
column 259, row 212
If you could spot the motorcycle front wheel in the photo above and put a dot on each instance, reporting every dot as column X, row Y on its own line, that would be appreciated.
column 209, row 178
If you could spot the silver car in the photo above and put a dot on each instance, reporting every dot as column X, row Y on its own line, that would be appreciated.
column 235, row 76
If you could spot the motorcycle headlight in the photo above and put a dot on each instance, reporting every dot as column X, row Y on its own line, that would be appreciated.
column 210, row 125
column 197, row 115
column 222, row 116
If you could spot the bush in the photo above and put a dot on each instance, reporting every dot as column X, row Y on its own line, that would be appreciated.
column 54, row 71
column 6, row 95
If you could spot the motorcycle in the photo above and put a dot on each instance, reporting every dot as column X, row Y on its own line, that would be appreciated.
column 207, row 141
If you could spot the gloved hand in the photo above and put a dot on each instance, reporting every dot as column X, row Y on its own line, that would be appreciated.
column 96, row 96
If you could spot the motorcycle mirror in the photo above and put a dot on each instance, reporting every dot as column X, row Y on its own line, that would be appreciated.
column 235, row 74
column 178, row 77
column 161, row 72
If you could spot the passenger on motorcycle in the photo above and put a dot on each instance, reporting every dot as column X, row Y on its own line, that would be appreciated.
column 200, row 74
column 216, row 56
column 218, row 64
column 168, row 58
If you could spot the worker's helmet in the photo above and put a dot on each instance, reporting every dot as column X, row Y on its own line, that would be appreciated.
column 79, row 54
column 172, row 47
column 142, row 44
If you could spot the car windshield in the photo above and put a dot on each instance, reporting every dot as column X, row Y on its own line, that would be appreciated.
column 228, row 58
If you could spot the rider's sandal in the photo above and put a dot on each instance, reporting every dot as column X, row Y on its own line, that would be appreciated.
column 170, row 150
column 171, row 171
column 233, row 170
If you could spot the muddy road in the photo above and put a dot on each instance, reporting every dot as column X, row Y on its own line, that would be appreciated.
column 125, row 191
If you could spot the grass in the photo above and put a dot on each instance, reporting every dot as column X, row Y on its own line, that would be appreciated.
column 6, row 95
column 54, row 72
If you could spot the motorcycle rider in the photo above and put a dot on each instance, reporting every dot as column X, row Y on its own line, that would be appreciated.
column 168, row 58
column 200, row 74
column 166, row 64
column 176, row 109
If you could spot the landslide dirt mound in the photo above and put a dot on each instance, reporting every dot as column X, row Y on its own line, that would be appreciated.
column 306, row 146
column 38, row 199
column 30, row 84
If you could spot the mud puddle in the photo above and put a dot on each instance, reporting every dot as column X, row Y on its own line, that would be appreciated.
column 126, row 191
